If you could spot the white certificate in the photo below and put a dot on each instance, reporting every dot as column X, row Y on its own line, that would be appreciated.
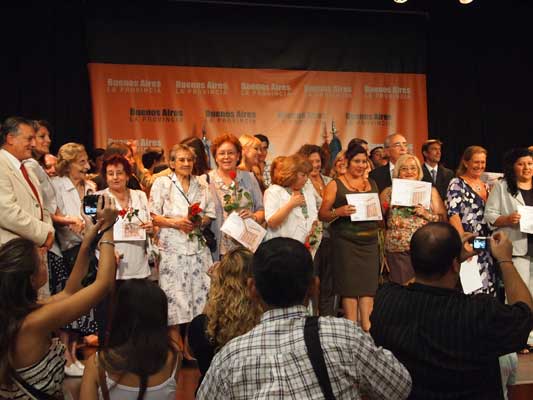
column 526, row 218
column 245, row 231
column 123, row 230
column 409, row 193
column 470, row 277
column 367, row 206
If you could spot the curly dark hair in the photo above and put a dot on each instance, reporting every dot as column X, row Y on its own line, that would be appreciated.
column 509, row 160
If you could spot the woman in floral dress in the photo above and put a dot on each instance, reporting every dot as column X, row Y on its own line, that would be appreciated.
column 465, row 202
column 233, row 190
column 403, row 222
column 185, row 258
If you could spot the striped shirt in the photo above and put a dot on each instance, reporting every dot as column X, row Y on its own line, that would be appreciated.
column 449, row 342
column 47, row 375
column 271, row 362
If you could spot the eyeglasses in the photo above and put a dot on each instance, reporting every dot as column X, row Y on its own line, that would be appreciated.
column 399, row 144
column 226, row 153
column 409, row 169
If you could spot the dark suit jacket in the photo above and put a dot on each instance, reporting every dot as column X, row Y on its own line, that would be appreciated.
column 444, row 176
column 381, row 176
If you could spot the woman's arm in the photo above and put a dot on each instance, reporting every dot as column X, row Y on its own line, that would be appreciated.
column 183, row 224
column 67, row 306
column 455, row 221
column 437, row 206
column 89, row 382
column 280, row 215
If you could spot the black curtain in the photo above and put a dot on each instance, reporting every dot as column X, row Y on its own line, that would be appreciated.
column 477, row 58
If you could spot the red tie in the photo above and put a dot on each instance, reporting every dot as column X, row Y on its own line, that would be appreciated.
column 32, row 187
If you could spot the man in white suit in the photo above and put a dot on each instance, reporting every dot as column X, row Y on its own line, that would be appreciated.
column 21, row 205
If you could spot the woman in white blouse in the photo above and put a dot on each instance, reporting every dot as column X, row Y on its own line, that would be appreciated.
column 70, row 186
column 185, row 257
column 134, row 223
column 290, row 206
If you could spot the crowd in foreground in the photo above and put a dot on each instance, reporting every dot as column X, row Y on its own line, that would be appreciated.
column 152, row 274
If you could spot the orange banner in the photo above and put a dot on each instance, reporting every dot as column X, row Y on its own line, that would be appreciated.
column 161, row 105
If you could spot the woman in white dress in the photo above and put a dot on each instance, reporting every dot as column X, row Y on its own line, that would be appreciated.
column 185, row 257
column 134, row 223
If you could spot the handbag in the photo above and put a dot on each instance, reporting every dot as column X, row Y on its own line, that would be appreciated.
column 207, row 233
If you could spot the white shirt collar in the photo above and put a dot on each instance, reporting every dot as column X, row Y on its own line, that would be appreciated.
column 12, row 159
column 429, row 167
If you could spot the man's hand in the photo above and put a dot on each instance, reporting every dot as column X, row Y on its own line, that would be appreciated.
column 501, row 247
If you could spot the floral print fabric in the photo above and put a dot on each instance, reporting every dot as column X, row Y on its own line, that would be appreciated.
column 464, row 202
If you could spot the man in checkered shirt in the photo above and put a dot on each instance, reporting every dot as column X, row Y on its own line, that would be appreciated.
column 271, row 361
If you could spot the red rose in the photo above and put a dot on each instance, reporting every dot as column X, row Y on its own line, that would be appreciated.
column 232, row 175
column 122, row 212
column 385, row 206
column 307, row 245
column 194, row 209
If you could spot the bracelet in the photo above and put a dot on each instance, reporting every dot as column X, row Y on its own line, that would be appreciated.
column 109, row 242
column 504, row 261
column 334, row 213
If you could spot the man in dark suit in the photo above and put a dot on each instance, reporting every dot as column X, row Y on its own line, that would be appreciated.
column 434, row 173
column 395, row 146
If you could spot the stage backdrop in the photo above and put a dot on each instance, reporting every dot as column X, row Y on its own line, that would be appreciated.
column 161, row 105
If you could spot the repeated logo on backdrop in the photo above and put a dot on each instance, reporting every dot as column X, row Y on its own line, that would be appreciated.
column 162, row 104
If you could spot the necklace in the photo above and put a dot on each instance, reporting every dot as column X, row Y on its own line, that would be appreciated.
column 354, row 186
column 476, row 186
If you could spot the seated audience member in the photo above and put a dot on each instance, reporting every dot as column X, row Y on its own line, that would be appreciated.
column 290, row 206
column 30, row 361
column 273, row 359
column 139, row 361
column 230, row 310
column 450, row 342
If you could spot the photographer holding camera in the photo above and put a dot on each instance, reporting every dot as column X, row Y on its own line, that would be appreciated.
column 450, row 342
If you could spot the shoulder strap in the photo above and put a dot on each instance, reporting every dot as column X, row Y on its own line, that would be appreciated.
column 181, row 191
column 316, row 355
column 102, row 382
column 32, row 392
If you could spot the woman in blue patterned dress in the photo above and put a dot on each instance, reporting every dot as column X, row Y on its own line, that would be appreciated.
column 465, row 202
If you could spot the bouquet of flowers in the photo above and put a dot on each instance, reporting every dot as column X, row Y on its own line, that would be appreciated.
column 315, row 236
column 194, row 215
column 129, row 214
column 233, row 200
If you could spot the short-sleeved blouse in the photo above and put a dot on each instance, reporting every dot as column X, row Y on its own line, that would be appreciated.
column 167, row 199
column 254, row 201
column 134, row 263
column 402, row 223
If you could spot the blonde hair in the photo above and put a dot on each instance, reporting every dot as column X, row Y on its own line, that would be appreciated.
column 333, row 173
column 402, row 160
column 249, row 140
column 230, row 311
column 67, row 154
column 284, row 170
column 467, row 156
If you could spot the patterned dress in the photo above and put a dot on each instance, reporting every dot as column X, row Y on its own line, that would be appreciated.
column 464, row 202
column 184, row 260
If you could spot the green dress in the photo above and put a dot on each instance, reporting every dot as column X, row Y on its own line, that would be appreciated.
column 354, row 250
